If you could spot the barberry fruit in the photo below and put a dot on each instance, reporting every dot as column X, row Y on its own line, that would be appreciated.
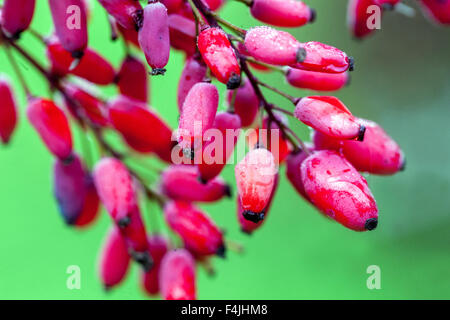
column 358, row 14
column 244, row 102
column 91, row 205
column 243, row 51
column 182, row 33
column 131, row 36
column 294, row 173
column 16, row 16
column 386, row 4
column 132, row 79
column 194, row 71
column 173, row 6
column 158, row 246
column 128, row 13
column 437, row 10
column 213, row 4
column 318, row 81
column 282, row 13
column 8, row 111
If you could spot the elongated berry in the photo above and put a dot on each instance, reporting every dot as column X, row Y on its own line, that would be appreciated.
column 182, row 33
column 199, row 233
column 16, row 16
column 324, row 58
column 217, row 151
column 220, row 57
column 273, row 46
column 114, row 260
column 378, row 153
column 70, row 21
column 437, row 10
column 182, row 182
column 158, row 246
column 255, row 179
column 91, row 205
column 8, row 111
column 330, row 116
column 177, row 276
column 154, row 36
column 51, row 124
column 194, row 71
column 244, row 102
column 132, row 79
column 294, row 173
column 128, row 13
column 318, row 81
column 358, row 13
column 335, row 187
column 282, row 13
column 133, row 230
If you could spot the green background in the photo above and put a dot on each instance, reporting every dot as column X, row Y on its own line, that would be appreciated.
column 401, row 81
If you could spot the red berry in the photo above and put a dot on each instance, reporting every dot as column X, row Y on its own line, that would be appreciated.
column 130, row 35
column 318, row 81
column 293, row 171
column 220, row 57
column 132, row 79
column 330, row 116
column 358, row 14
column 114, row 259
column 70, row 21
column 377, row 153
column 136, row 237
column 182, row 182
column 154, row 36
column 158, row 246
column 213, row 4
column 243, row 51
column 91, row 205
column 173, row 6
column 16, row 16
column 437, row 10
column 182, row 33
column 273, row 46
column 177, row 276
column 255, row 179
column 282, row 13
column 194, row 71
column 8, row 111
column 128, row 13
column 324, row 58
column 199, row 233
column 52, row 126
column 245, row 103
column 335, row 187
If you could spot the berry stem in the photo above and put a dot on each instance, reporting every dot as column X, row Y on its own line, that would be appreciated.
column 18, row 72
column 281, row 93
column 197, row 15
column 269, row 66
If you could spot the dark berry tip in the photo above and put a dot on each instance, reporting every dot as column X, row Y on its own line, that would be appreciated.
column 301, row 54
column 313, row 15
column 69, row 159
column 362, row 133
column 138, row 18
column 107, row 288
column 228, row 191
column 189, row 153
column 158, row 71
column 387, row 6
column 202, row 181
column 253, row 216
column 124, row 222
column 371, row 224
column 297, row 100
column 77, row 54
column 144, row 259
column 247, row 232
column 351, row 64
column 234, row 82
column 221, row 251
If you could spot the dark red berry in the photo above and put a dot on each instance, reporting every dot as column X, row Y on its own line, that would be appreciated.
column 182, row 33
column 158, row 246
column 132, row 79
column 126, row 12
column 16, row 16
column 282, row 13
column 8, row 111
column 437, row 10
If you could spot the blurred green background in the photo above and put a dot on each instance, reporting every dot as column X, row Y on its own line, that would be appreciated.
column 401, row 81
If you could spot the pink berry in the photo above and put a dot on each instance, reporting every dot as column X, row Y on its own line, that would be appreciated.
column 8, row 111
column 213, row 4
column 318, row 81
column 282, row 13
column 177, row 276
column 330, row 116
column 194, row 71
column 437, row 10
column 128, row 13
column 358, row 14
column 182, row 33
column 134, row 233
column 154, row 36
column 245, row 103
column 255, row 179
column 335, row 187
column 199, row 233
column 294, row 173
column 173, row 6
column 243, row 51
column 132, row 79
column 16, row 16
column 158, row 246
column 51, row 124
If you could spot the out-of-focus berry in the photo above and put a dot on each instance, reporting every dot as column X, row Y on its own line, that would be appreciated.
column 126, row 12
column 282, row 13
column 8, row 111
column 194, row 71
column 244, row 102
column 132, row 79
column 16, row 16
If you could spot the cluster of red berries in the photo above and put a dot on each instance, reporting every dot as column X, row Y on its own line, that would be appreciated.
column 324, row 172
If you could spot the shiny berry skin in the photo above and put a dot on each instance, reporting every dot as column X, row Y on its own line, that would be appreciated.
column 158, row 246
column 67, row 13
column 114, row 260
column 91, row 205
column 358, row 14
column 282, row 13
column 378, row 153
column 194, row 71
column 245, row 103
column 182, row 182
column 177, row 276
column 318, row 81
column 330, row 116
column 128, row 13
column 437, row 10
column 294, row 173
column 324, row 58
column 216, row 153
column 182, row 33
column 51, row 124
column 220, row 57
column 255, row 179
column 154, row 36
column 199, row 233
column 132, row 79
column 273, row 46
column 335, row 187
column 16, row 16
column 8, row 111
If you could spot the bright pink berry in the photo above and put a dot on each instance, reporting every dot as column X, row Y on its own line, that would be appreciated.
column 244, row 102
column 358, row 14
column 243, row 51
column 173, row 6
column 91, row 205
column 282, row 13
column 16, row 16
column 194, row 71
column 213, row 4
column 114, row 260
column 158, row 246
column 128, row 13
column 437, row 10
column 51, row 124
column 8, row 111
column 177, row 276
column 220, row 57
column 70, row 21
column 378, row 153
column 330, row 116
column 182, row 33
column 335, row 187
column 199, row 233
column 182, row 182
column 133, row 230
column 318, row 81
column 294, row 173
column 216, row 153
column 154, row 36
column 273, row 46
column 132, row 79
column 255, row 179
